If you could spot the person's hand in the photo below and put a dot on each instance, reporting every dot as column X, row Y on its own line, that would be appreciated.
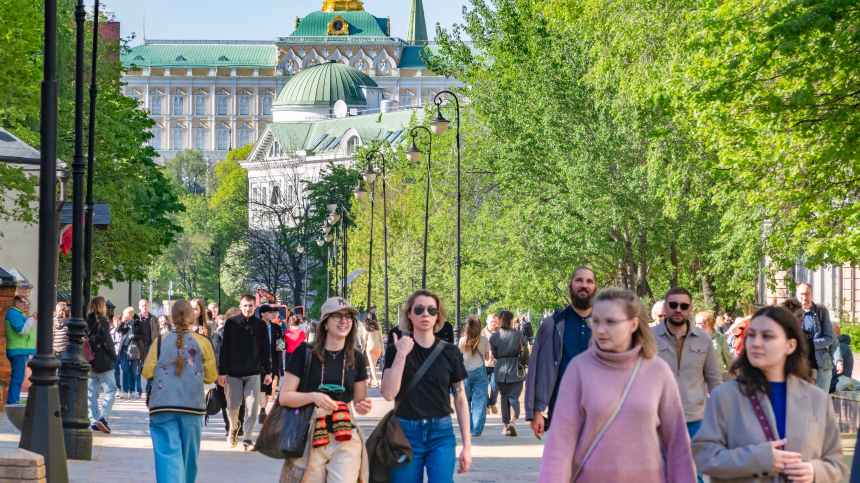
column 131, row 336
column 538, row 424
column 324, row 402
column 268, row 379
column 363, row 407
column 839, row 367
column 801, row 472
column 35, row 315
column 222, row 381
column 782, row 459
column 465, row 460
column 403, row 345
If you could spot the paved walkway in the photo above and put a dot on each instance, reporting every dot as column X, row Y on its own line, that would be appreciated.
column 126, row 454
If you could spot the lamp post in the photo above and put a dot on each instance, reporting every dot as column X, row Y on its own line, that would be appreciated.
column 90, row 204
column 369, row 157
column 413, row 154
column 213, row 256
column 42, row 430
column 369, row 176
column 75, row 369
column 439, row 125
column 301, row 250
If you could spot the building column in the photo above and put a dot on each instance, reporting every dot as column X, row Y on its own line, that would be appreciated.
column 233, row 72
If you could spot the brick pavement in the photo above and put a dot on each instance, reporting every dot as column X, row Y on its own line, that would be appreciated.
column 126, row 454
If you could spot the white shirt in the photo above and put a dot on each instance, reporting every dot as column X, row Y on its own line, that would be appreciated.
column 474, row 361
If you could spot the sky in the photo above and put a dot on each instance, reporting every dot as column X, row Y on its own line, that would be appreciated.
column 255, row 19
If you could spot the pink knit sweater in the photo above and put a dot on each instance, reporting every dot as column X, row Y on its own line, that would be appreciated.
column 650, row 419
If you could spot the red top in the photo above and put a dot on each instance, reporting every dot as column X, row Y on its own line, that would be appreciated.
column 293, row 338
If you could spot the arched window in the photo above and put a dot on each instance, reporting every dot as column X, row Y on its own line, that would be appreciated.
column 351, row 145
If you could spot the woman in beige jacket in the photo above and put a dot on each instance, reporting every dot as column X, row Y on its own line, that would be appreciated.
column 798, row 436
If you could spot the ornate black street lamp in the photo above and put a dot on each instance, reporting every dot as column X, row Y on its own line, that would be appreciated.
column 75, row 368
column 90, row 205
column 370, row 176
column 439, row 125
column 42, row 431
column 413, row 154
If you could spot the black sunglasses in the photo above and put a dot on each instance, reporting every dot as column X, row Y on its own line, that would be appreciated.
column 419, row 309
column 674, row 305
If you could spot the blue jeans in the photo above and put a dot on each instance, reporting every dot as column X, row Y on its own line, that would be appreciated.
column 433, row 448
column 117, row 373
column 130, row 374
column 494, row 389
column 106, row 381
column 19, row 366
column 475, row 387
column 176, row 444
column 693, row 428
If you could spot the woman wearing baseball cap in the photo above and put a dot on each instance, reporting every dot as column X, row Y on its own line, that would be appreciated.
column 337, row 375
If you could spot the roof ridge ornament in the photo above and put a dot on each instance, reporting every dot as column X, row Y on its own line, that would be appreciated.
column 342, row 6
column 338, row 26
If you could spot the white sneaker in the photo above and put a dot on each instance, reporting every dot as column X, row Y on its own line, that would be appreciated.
column 139, row 395
column 125, row 395
column 119, row 394
column 506, row 432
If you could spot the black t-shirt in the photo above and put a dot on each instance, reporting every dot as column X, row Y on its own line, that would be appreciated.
column 430, row 398
column 334, row 372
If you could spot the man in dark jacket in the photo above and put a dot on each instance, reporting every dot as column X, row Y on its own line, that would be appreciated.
column 276, row 334
column 560, row 338
column 245, row 354
column 845, row 367
column 149, row 323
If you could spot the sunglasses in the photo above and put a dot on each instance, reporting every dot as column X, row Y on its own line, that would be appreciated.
column 674, row 305
column 419, row 309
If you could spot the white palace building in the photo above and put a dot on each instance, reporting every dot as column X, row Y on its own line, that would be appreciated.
column 219, row 95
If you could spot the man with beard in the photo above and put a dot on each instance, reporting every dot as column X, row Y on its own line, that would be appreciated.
column 690, row 354
column 560, row 338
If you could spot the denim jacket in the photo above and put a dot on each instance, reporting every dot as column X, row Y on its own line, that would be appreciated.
column 822, row 335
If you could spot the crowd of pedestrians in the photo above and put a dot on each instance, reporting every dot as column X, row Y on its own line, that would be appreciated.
column 740, row 399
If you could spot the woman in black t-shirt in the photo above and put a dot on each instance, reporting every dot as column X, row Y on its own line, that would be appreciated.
column 337, row 375
column 425, row 413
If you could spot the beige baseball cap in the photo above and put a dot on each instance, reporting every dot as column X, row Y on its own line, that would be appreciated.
column 333, row 304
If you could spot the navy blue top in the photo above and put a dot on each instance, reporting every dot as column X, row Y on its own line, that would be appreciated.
column 777, row 402
column 577, row 334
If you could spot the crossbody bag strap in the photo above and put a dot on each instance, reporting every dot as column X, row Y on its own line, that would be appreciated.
column 762, row 419
column 611, row 418
column 421, row 371
column 303, row 384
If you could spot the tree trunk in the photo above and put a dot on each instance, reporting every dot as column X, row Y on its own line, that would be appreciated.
column 707, row 292
column 673, row 252
column 642, row 287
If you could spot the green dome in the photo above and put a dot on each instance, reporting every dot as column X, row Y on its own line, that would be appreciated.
column 324, row 84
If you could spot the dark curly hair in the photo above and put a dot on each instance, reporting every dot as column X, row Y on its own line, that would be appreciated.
column 750, row 378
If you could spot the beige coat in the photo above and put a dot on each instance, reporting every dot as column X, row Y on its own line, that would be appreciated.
column 731, row 446
column 699, row 372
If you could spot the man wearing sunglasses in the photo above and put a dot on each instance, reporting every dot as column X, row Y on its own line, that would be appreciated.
column 690, row 353
column 561, row 337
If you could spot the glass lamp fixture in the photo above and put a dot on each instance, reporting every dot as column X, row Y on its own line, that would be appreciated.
column 331, row 206
column 320, row 242
column 439, row 124
column 359, row 192
column 335, row 217
column 413, row 154
column 327, row 237
column 300, row 249
column 212, row 255
column 369, row 175
column 326, row 227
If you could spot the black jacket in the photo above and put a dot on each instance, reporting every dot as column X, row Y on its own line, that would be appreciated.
column 149, row 326
column 528, row 331
column 446, row 333
column 277, row 356
column 101, row 343
column 245, row 350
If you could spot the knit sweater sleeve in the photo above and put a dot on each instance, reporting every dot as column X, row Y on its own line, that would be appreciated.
column 557, row 461
column 673, row 429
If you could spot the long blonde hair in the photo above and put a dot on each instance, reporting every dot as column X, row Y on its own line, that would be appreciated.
column 473, row 334
column 183, row 317
column 98, row 306
column 632, row 308
column 203, row 318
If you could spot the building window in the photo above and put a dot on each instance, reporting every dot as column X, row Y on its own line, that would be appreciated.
column 178, row 105
column 407, row 99
column 178, row 138
column 199, row 139
column 223, row 140
column 267, row 105
column 428, row 96
column 155, row 142
column 223, row 105
column 200, row 105
column 256, row 194
column 276, row 194
column 244, row 105
column 244, row 137
column 351, row 144
column 155, row 105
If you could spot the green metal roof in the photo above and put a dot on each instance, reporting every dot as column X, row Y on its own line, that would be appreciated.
column 371, row 127
column 410, row 58
column 417, row 29
column 202, row 55
column 361, row 24
column 324, row 84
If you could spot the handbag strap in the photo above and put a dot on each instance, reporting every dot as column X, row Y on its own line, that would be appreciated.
column 421, row 371
column 611, row 418
column 303, row 384
column 762, row 419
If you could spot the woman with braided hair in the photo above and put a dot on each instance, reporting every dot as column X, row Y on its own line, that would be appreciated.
column 178, row 365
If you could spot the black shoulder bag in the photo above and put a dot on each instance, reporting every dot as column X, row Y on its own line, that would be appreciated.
column 284, row 434
column 157, row 353
column 387, row 446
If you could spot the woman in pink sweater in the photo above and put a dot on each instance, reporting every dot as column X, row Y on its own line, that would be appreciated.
column 651, row 418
